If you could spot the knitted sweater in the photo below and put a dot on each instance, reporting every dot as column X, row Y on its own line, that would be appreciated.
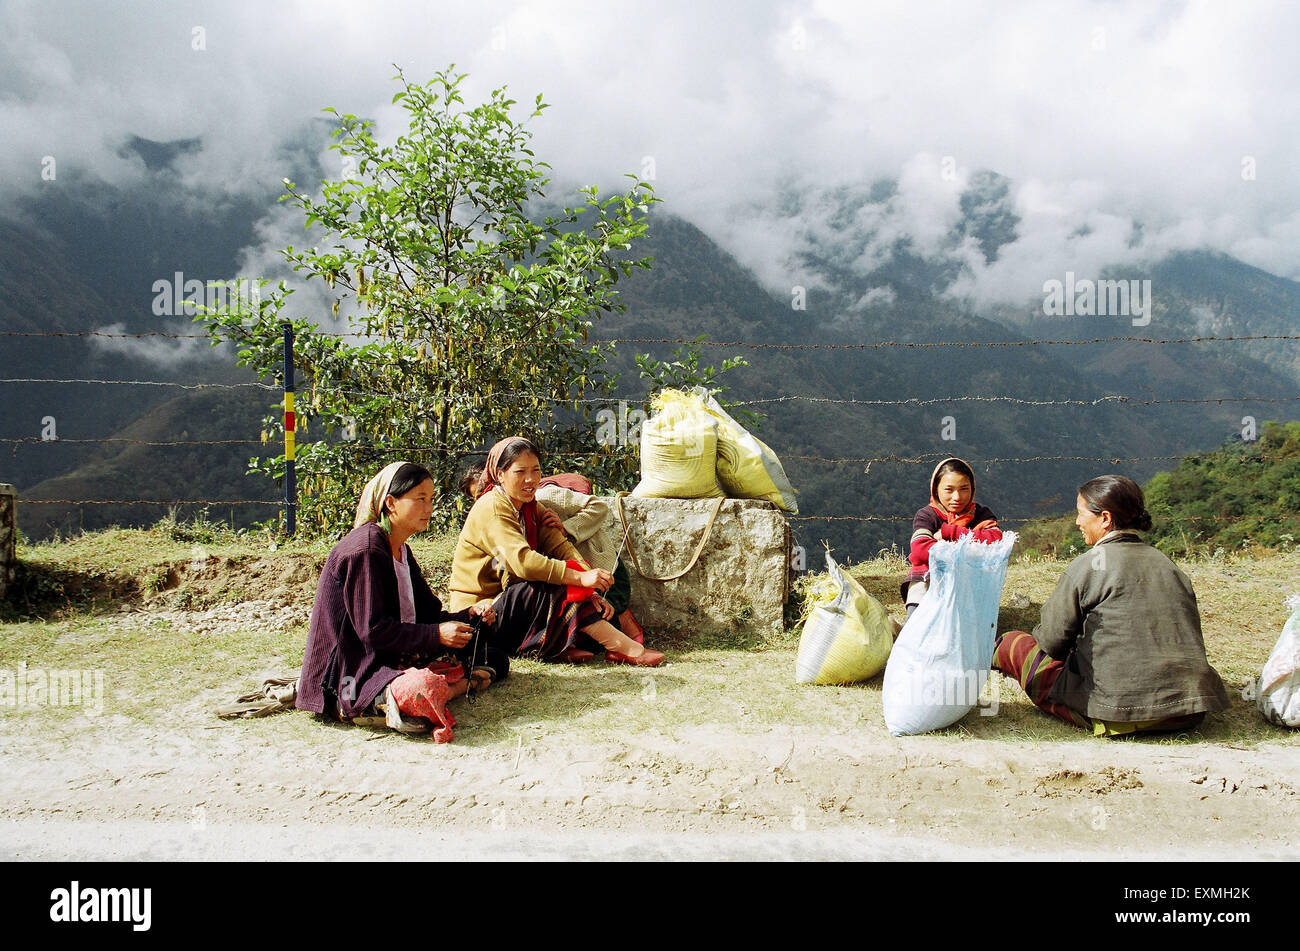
column 585, row 518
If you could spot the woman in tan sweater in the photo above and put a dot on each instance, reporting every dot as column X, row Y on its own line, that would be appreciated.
column 513, row 564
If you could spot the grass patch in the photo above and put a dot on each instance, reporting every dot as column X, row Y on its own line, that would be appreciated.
column 739, row 681
column 149, row 666
column 99, row 571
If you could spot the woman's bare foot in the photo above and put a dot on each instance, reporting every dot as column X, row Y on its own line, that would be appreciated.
column 612, row 639
column 480, row 678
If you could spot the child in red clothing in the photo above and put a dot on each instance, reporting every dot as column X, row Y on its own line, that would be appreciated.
column 952, row 513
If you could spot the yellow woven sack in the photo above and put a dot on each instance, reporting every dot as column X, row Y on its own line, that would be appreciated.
column 679, row 449
column 848, row 634
column 747, row 468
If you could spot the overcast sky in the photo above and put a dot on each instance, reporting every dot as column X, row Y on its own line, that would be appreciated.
column 1178, row 115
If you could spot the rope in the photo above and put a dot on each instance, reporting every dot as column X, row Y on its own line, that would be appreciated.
column 708, row 528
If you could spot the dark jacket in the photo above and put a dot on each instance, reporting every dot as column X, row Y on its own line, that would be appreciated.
column 357, row 641
column 1124, row 620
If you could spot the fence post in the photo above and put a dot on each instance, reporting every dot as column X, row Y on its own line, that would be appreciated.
column 290, row 480
column 8, row 534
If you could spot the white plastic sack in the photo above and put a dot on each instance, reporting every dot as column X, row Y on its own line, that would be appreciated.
column 942, row 657
column 847, row 636
column 1277, row 690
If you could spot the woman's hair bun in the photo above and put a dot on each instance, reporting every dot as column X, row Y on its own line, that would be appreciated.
column 1121, row 497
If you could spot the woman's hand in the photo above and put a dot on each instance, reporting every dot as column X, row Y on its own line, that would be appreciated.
column 606, row 609
column 454, row 633
column 547, row 517
column 483, row 609
column 597, row 578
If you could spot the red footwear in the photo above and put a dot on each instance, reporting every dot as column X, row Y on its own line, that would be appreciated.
column 575, row 655
column 628, row 625
column 648, row 659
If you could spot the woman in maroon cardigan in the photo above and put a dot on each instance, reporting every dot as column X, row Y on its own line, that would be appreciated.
column 380, row 643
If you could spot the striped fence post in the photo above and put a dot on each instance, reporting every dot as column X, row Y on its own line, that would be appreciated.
column 290, row 479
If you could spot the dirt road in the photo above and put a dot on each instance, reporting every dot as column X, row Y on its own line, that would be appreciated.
column 290, row 787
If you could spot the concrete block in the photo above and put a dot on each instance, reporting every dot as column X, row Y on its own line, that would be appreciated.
column 742, row 578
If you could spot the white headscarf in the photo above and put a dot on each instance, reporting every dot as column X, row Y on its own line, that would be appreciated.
column 370, row 507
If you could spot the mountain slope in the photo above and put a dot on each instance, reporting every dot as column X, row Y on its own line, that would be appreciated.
column 852, row 410
column 988, row 424
column 132, row 470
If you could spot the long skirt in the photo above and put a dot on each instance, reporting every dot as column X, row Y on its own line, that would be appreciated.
column 533, row 619
column 1017, row 653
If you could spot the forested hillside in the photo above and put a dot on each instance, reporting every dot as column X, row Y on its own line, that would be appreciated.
column 910, row 374
column 1244, row 494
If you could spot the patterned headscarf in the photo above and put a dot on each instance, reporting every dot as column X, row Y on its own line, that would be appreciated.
column 492, row 475
column 370, row 507
column 491, row 478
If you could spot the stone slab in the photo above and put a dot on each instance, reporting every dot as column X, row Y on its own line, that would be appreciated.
column 742, row 578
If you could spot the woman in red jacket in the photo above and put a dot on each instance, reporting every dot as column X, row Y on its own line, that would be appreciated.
column 952, row 513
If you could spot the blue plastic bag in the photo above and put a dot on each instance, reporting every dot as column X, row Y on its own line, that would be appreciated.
column 941, row 660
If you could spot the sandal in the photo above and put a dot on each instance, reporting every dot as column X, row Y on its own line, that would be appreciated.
column 648, row 658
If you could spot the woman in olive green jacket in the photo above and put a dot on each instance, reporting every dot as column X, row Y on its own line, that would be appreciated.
column 1118, row 649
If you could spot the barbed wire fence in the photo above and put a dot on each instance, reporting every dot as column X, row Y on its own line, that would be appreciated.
column 865, row 461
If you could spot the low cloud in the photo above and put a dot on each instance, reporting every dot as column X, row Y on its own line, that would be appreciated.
column 1124, row 131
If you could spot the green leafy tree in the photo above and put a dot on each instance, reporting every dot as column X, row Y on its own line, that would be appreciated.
column 1241, row 495
column 467, row 306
